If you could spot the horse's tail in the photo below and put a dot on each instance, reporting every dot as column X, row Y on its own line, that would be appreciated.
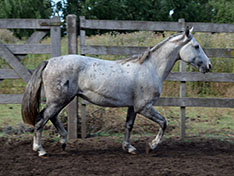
column 32, row 94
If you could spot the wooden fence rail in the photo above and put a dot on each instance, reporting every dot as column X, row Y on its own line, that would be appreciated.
column 153, row 26
column 131, row 50
column 163, row 101
column 181, row 76
column 29, row 23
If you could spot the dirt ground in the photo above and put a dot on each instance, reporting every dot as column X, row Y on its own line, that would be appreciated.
column 104, row 156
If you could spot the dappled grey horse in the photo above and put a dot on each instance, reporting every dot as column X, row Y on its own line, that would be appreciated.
column 135, row 83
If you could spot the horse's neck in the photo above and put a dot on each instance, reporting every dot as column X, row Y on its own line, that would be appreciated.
column 164, row 59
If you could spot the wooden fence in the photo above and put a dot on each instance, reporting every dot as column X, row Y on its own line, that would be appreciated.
column 13, row 54
column 181, row 76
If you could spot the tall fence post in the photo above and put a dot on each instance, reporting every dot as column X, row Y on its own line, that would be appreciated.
column 182, row 108
column 83, row 104
column 182, row 93
column 55, row 35
column 72, row 108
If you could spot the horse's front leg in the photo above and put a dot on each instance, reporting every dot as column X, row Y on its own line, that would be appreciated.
column 149, row 112
column 131, row 115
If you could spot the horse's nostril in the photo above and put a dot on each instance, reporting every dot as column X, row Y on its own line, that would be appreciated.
column 209, row 66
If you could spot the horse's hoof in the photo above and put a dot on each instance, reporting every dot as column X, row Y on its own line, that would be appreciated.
column 42, row 154
column 148, row 148
column 133, row 152
column 129, row 148
column 64, row 147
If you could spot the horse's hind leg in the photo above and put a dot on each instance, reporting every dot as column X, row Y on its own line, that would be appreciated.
column 62, row 132
column 50, row 111
column 37, row 134
column 153, row 115
column 131, row 115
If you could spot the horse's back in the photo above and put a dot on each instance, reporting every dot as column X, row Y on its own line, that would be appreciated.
column 69, row 75
column 102, row 82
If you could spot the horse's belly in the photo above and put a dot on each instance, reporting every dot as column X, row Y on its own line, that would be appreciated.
column 101, row 99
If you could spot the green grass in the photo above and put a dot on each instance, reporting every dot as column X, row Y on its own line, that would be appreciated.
column 210, row 121
column 200, row 122
column 10, row 114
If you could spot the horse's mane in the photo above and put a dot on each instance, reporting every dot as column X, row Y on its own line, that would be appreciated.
column 144, row 56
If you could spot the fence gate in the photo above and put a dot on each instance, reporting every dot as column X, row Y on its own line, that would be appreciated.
column 13, row 54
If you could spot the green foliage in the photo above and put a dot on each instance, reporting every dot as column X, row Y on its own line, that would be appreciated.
column 63, row 8
column 220, row 11
column 127, row 10
column 25, row 9
column 69, row 7
column 151, row 10
column 223, row 11
column 191, row 10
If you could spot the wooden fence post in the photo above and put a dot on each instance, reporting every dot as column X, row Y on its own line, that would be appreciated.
column 72, row 108
column 182, row 93
column 55, row 36
column 182, row 108
column 83, row 103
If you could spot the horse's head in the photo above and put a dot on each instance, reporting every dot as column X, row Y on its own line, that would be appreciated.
column 193, row 54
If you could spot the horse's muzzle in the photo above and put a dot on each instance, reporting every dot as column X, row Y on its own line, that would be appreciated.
column 209, row 66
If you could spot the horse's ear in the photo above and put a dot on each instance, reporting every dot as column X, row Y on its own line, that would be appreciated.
column 188, row 32
column 191, row 30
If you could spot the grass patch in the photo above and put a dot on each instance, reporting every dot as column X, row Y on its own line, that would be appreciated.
column 10, row 114
column 207, row 121
column 200, row 122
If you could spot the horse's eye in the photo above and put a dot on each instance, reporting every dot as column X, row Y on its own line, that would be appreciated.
column 197, row 46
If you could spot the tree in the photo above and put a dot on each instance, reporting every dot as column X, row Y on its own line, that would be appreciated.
column 25, row 9
column 65, row 7
column 150, row 10
column 191, row 10
column 70, row 7
column 222, row 11
column 153, row 10
column 103, row 9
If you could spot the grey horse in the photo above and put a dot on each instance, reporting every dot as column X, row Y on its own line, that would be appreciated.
column 135, row 83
